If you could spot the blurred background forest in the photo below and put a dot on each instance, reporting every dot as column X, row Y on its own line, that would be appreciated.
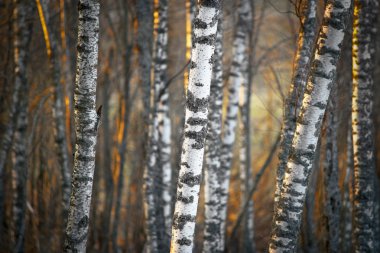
column 117, row 217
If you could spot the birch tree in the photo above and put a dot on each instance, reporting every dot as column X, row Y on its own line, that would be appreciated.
column 195, row 129
column 331, row 194
column 288, row 211
column 365, row 13
column 22, row 36
column 306, row 38
column 212, row 231
column 163, row 119
column 87, row 121
column 235, row 80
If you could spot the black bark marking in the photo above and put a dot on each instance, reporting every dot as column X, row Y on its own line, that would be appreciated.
column 179, row 221
column 196, row 104
column 190, row 180
column 198, row 136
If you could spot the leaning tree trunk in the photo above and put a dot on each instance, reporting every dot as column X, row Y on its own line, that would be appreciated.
column 205, row 27
column 87, row 121
column 212, row 230
column 306, row 38
column 236, row 78
column 331, row 193
column 364, row 25
column 22, row 37
column 58, row 106
column 288, row 212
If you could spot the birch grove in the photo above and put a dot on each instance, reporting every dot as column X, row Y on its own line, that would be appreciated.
column 189, row 126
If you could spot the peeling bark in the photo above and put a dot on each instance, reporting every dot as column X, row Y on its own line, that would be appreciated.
column 195, row 129
column 87, row 121
column 288, row 211
column 363, row 49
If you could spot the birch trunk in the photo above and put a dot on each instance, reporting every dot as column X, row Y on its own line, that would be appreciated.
column 235, row 79
column 346, row 227
column 144, row 11
column 246, row 181
column 288, row 211
column 365, row 13
column 195, row 129
column 86, row 125
column 213, row 241
column 332, row 198
column 22, row 37
column 58, row 104
column 306, row 38
column 164, row 122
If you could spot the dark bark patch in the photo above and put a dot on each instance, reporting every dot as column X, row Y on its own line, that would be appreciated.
column 189, row 179
column 185, row 200
column 184, row 241
column 198, row 136
column 179, row 221
column 196, row 121
column 196, row 104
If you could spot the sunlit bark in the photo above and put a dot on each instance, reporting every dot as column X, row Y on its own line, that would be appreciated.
column 195, row 129
column 288, row 211
column 364, row 28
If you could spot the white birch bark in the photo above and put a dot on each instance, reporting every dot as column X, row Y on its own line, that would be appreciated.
column 246, row 181
column 86, row 125
column 195, row 129
column 235, row 80
column 364, row 34
column 213, row 242
column 288, row 211
column 306, row 38
column 164, row 122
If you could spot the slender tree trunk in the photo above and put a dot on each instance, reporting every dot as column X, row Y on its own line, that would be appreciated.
column 247, row 230
column 58, row 105
column 213, row 241
column 346, row 226
column 235, row 79
column 365, row 13
column 288, row 212
column 332, row 198
column 205, row 27
column 164, row 122
column 123, row 144
column 87, row 121
column 306, row 38
column 22, row 36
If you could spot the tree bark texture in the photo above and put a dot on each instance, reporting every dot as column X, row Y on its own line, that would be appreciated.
column 213, row 241
column 195, row 129
column 164, row 122
column 22, row 28
column 363, row 49
column 306, row 38
column 331, row 193
column 87, row 120
column 288, row 211
column 236, row 77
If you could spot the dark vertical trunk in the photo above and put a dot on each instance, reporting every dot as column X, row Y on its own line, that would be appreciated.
column 22, row 37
